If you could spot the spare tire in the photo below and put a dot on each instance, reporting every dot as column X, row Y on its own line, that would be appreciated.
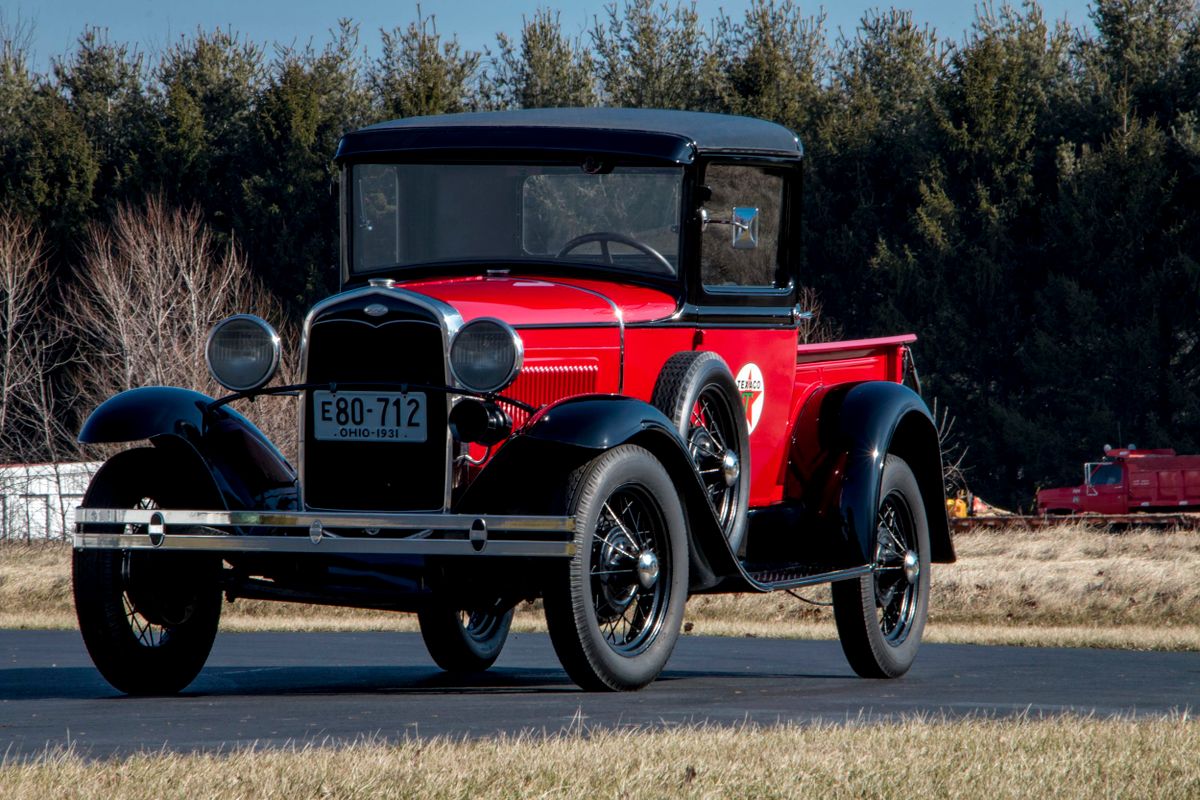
column 697, row 392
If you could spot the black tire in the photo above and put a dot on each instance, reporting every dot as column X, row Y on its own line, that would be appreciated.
column 698, row 394
column 148, row 618
column 880, row 617
column 461, row 640
column 610, row 629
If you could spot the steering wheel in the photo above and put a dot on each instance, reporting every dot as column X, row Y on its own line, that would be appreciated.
column 604, row 237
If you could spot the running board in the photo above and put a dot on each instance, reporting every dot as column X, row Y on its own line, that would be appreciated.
column 792, row 576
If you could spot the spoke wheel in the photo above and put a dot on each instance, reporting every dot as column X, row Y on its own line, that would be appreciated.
column 895, row 589
column 147, row 633
column 615, row 611
column 148, row 618
column 712, row 440
column 464, row 640
column 881, row 616
column 698, row 394
column 628, row 553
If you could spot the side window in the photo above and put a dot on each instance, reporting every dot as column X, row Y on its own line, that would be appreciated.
column 739, row 199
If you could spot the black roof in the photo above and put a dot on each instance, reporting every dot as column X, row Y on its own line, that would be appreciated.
column 674, row 136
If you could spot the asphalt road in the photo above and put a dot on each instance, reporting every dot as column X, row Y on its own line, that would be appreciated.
column 278, row 688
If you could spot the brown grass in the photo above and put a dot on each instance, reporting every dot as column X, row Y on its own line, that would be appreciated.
column 1066, row 586
column 1064, row 757
column 1069, row 586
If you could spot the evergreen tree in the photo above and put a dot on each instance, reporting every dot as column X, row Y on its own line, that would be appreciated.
column 546, row 69
column 418, row 73
column 103, row 85
column 203, row 117
column 775, row 64
column 287, row 217
column 47, row 165
column 652, row 55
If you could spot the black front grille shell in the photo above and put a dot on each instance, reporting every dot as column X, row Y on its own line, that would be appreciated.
column 345, row 346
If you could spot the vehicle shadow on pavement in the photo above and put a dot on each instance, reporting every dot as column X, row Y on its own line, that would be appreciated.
column 52, row 683
column 267, row 680
column 79, row 683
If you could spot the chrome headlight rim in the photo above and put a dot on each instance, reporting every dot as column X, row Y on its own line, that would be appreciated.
column 518, row 354
column 276, row 351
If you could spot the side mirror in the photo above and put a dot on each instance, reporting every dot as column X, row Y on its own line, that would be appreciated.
column 745, row 228
column 743, row 220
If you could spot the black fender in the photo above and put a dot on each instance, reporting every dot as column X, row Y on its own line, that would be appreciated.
column 529, row 473
column 838, row 448
column 214, row 445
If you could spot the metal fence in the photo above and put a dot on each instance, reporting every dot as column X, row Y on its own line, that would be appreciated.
column 37, row 501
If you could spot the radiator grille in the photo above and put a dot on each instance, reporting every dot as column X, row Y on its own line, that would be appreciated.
column 377, row 476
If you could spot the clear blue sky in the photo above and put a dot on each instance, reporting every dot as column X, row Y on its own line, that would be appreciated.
column 154, row 23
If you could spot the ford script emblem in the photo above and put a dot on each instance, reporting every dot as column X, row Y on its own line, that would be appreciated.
column 375, row 310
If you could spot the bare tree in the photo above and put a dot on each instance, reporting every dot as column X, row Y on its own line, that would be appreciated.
column 815, row 327
column 954, row 452
column 150, row 288
column 31, row 349
column 32, row 355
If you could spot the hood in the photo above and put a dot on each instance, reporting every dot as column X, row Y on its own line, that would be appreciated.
column 1063, row 497
column 544, row 301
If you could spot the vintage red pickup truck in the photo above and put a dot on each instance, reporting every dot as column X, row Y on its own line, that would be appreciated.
column 564, row 363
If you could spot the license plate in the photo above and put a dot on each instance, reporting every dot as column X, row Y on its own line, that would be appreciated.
column 369, row 416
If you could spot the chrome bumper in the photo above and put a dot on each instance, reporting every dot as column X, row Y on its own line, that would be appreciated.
column 174, row 529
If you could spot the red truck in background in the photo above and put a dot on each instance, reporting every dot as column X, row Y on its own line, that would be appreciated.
column 1129, row 480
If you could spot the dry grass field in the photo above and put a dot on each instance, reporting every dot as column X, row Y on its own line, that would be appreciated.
column 1063, row 757
column 1068, row 586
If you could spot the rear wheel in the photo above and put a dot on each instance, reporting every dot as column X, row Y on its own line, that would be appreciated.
column 465, row 640
column 148, row 619
column 614, row 613
column 881, row 616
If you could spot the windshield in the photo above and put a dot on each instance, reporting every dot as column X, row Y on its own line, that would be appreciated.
column 620, row 218
column 1105, row 474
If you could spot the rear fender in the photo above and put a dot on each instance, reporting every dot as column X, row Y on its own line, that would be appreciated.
column 239, row 460
column 532, row 469
column 838, row 448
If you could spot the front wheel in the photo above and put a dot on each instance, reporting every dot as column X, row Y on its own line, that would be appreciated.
column 464, row 640
column 614, row 613
column 881, row 616
column 148, row 619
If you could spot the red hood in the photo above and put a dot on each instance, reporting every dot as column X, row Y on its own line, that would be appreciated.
column 523, row 300
column 1063, row 497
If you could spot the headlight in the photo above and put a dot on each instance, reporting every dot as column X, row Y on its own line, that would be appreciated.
column 242, row 352
column 486, row 355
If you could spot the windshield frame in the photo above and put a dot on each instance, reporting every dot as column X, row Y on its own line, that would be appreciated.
column 459, row 266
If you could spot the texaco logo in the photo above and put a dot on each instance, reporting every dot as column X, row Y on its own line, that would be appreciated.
column 750, row 384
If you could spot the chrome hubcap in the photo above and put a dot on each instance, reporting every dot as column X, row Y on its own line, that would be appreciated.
column 912, row 566
column 730, row 467
column 647, row 569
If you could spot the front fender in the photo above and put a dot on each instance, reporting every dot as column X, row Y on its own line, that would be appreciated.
column 841, row 440
column 144, row 412
column 242, row 462
column 531, row 471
